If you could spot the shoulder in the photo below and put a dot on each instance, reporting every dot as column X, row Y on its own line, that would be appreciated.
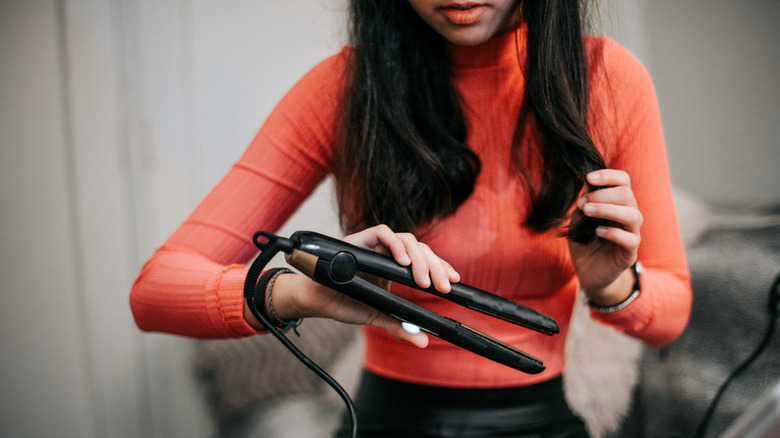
column 324, row 78
column 334, row 65
column 315, row 97
column 613, row 68
column 303, row 120
column 620, row 93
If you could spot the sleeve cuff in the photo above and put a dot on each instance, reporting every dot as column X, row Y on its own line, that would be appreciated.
column 225, row 294
column 634, row 318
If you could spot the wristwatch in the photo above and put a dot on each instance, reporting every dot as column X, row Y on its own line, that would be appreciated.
column 636, row 268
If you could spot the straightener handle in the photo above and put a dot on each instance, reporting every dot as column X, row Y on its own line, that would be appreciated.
column 380, row 265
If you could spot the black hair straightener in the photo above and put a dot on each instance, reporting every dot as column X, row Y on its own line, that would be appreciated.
column 336, row 264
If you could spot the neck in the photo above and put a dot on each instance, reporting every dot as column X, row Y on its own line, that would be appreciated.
column 503, row 48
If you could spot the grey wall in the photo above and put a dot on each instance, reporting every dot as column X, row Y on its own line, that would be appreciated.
column 716, row 66
column 116, row 116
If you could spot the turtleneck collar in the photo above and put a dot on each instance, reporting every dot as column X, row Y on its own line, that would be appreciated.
column 502, row 49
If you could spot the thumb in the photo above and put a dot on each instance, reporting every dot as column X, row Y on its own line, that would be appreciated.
column 393, row 326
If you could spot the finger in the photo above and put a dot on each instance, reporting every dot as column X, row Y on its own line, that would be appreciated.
column 609, row 177
column 454, row 275
column 407, row 250
column 381, row 239
column 629, row 217
column 618, row 236
column 620, row 195
column 368, row 238
column 440, row 271
column 421, row 263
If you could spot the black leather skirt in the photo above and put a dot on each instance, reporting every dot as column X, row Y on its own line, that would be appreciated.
column 388, row 408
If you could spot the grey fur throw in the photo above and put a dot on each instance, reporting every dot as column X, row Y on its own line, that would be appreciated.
column 240, row 375
column 732, row 269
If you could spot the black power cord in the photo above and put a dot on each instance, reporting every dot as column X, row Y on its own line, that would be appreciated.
column 270, row 249
column 774, row 313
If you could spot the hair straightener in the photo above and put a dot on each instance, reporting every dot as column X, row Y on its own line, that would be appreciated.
column 337, row 265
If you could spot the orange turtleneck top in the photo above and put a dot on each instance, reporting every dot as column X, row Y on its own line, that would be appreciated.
column 192, row 285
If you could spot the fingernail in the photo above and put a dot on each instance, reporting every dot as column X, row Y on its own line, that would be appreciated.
column 601, row 230
column 405, row 260
column 410, row 328
column 594, row 176
column 589, row 209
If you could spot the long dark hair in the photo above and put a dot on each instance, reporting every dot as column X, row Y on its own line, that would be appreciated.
column 400, row 155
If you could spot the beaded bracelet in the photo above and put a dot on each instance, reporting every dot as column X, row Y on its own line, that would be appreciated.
column 636, row 268
column 266, row 285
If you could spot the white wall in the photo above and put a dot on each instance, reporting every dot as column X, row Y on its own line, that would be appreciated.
column 116, row 116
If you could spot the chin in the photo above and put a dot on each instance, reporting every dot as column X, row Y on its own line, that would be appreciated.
column 468, row 38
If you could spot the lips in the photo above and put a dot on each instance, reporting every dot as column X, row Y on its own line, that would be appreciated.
column 463, row 13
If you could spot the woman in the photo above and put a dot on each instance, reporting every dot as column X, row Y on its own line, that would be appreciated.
column 485, row 142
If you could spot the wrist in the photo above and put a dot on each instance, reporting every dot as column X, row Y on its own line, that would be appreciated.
column 271, row 301
column 274, row 297
column 250, row 319
column 619, row 293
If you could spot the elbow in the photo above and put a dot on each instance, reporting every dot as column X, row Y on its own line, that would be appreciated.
column 677, row 315
column 139, row 311
column 142, row 300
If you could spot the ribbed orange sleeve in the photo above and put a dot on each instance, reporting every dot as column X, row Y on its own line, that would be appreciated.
column 193, row 284
column 661, row 312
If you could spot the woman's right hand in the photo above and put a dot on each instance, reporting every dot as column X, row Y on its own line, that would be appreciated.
column 297, row 296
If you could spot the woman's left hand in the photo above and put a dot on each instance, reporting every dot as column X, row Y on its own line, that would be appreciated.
column 602, row 266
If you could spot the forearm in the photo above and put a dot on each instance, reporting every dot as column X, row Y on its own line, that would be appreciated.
column 182, row 293
column 660, row 312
